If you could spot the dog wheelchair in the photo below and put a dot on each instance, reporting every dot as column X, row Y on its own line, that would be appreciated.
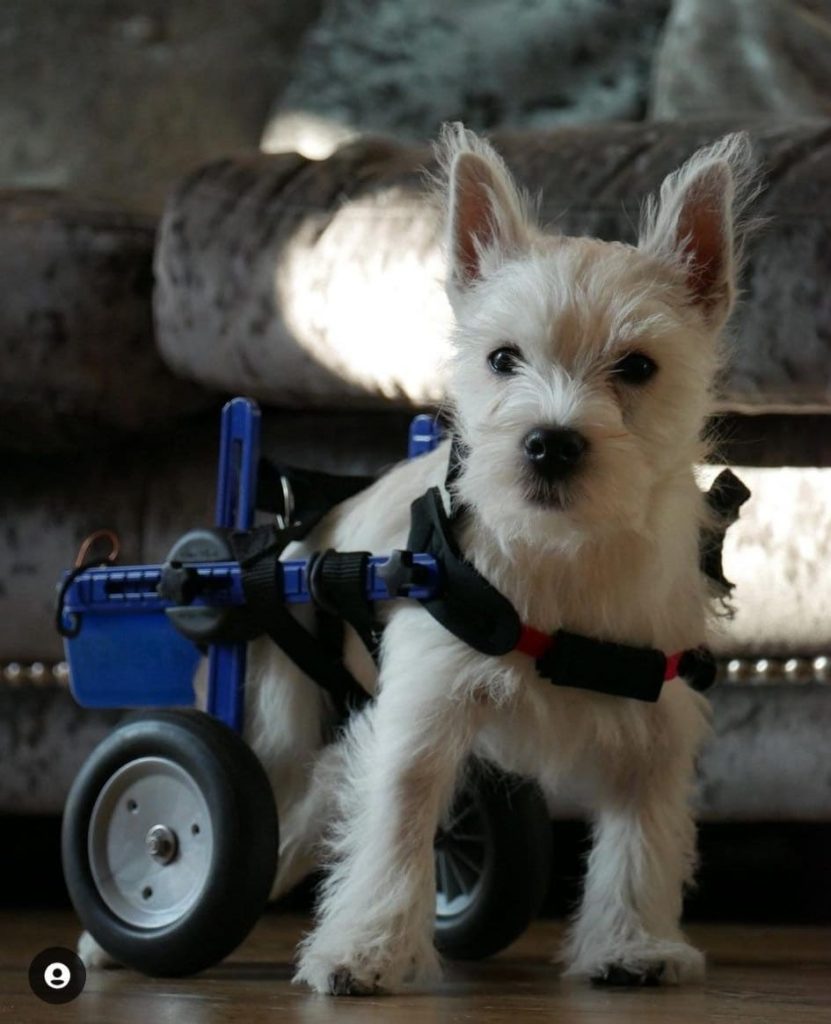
column 170, row 832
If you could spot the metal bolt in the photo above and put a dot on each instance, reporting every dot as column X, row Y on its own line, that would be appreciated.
column 162, row 844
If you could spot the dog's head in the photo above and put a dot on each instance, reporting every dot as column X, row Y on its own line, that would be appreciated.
column 583, row 368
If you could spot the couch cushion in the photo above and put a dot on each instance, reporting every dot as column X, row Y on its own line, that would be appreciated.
column 319, row 283
column 78, row 362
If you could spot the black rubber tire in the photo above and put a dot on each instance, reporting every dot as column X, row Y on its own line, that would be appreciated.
column 244, row 853
column 515, row 869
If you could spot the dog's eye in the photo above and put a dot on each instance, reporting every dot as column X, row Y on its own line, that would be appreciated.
column 505, row 361
column 636, row 368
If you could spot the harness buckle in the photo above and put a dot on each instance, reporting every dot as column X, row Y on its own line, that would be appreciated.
column 400, row 573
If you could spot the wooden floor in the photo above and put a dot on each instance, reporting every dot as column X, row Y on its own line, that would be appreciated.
column 758, row 975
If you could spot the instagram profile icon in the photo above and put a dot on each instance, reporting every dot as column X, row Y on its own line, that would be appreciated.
column 57, row 975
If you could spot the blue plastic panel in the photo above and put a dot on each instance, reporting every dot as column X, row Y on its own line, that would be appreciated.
column 130, row 660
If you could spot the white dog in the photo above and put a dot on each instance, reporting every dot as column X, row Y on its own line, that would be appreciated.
column 580, row 387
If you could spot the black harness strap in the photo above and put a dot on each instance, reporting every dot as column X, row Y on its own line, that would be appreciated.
column 258, row 552
column 602, row 666
column 473, row 610
column 330, row 630
column 467, row 605
column 337, row 583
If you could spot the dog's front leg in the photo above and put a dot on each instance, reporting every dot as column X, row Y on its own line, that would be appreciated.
column 401, row 759
column 627, row 931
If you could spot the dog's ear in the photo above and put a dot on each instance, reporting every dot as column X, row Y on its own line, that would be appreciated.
column 487, row 215
column 695, row 223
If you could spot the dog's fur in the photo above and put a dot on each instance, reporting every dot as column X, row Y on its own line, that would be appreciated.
column 611, row 553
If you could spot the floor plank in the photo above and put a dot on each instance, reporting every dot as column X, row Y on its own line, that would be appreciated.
column 756, row 976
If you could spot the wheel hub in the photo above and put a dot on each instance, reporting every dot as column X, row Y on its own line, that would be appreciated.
column 150, row 842
column 162, row 844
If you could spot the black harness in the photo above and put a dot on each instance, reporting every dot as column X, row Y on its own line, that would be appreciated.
column 476, row 612
column 468, row 606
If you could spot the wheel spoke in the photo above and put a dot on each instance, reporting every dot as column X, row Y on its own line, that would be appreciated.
column 474, row 866
column 471, row 838
column 462, row 883
column 446, row 884
column 460, row 814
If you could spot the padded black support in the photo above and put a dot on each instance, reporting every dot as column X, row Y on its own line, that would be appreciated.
column 337, row 582
column 605, row 667
column 726, row 496
column 467, row 605
column 258, row 552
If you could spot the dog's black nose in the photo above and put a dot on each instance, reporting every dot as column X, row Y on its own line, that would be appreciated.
column 554, row 452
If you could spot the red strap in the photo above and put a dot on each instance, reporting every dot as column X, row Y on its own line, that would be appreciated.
column 671, row 671
column 535, row 643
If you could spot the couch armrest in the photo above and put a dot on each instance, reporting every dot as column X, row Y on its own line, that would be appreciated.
column 320, row 282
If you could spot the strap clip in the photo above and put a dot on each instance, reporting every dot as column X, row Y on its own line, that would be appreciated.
column 179, row 583
column 400, row 573
column 697, row 667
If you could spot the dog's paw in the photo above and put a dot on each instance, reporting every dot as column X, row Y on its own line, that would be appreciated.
column 353, row 978
column 618, row 976
column 641, row 965
column 342, row 982
column 93, row 956
column 372, row 968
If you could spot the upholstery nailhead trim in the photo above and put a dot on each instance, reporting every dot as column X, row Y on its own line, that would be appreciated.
column 769, row 671
column 37, row 673
column 744, row 671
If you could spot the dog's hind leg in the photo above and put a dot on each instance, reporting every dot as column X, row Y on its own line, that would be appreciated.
column 93, row 956
column 401, row 758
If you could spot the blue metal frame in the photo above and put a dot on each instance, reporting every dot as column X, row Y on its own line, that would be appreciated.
column 127, row 652
column 236, row 491
column 425, row 434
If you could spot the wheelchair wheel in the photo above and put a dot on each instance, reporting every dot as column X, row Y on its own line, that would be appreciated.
column 170, row 842
column 493, row 864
